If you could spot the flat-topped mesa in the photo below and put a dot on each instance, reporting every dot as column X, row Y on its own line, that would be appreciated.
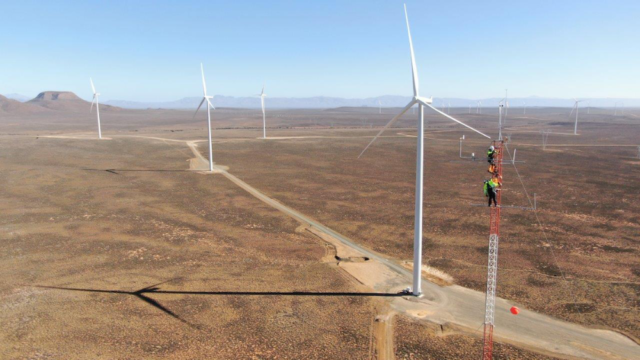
column 65, row 101
column 56, row 96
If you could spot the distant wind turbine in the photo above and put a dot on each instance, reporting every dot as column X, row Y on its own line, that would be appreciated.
column 575, row 107
column 506, row 105
column 506, row 102
column 264, row 118
column 379, row 107
column 501, row 107
column 478, row 110
column 421, row 102
column 209, row 107
column 95, row 100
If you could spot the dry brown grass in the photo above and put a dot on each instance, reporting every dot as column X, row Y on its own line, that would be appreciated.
column 74, row 228
column 587, row 196
column 67, row 222
column 415, row 340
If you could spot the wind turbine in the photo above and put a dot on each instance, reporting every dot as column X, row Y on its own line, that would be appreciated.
column 506, row 103
column 478, row 104
column 379, row 107
column 575, row 107
column 501, row 107
column 264, row 118
column 95, row 100
column 209, row 107
column 421, row 102
column 506, row 106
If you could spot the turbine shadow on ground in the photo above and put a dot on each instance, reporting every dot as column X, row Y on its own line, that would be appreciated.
column 138, row 294
column 154, row 289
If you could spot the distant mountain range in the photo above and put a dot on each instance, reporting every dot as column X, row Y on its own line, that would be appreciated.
column 324, row 102
column 18, row 97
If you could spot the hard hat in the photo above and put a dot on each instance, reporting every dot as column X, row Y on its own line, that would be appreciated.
column 491, row 147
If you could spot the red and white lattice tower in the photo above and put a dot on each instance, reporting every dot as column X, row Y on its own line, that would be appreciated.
column 492, row 267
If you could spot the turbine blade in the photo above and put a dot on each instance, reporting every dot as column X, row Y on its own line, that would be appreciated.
column 204, row 83
column 262, row 93
column 413, row 102
column 210, row 104
column 92, row 102
column 414, row 70
column 572, row 109
column 199, row 106
column 458, row 121
column 92, row 87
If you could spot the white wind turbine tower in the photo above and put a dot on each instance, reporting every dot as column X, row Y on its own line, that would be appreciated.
column 264, row 117
column 478, row 104
column 379, row 107
column 575, row 107
column 421, row 102
column 95, row 100
column 209, row 107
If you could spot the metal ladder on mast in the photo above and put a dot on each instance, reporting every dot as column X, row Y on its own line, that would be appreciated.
column 492, row 266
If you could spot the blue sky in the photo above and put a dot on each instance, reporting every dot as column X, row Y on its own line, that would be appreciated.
column 151, row 50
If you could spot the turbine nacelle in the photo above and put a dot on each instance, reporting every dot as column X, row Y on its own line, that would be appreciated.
column 205, row 97
column 423, row 100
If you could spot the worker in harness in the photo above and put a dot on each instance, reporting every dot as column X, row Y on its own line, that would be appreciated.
column 493, row 169
column 490, row 190
column 497, row 179
column 491, row 153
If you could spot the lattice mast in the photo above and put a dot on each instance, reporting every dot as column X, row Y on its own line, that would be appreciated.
column 492, row 267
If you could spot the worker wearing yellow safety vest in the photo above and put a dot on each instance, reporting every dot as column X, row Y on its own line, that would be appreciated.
column 490, row 190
